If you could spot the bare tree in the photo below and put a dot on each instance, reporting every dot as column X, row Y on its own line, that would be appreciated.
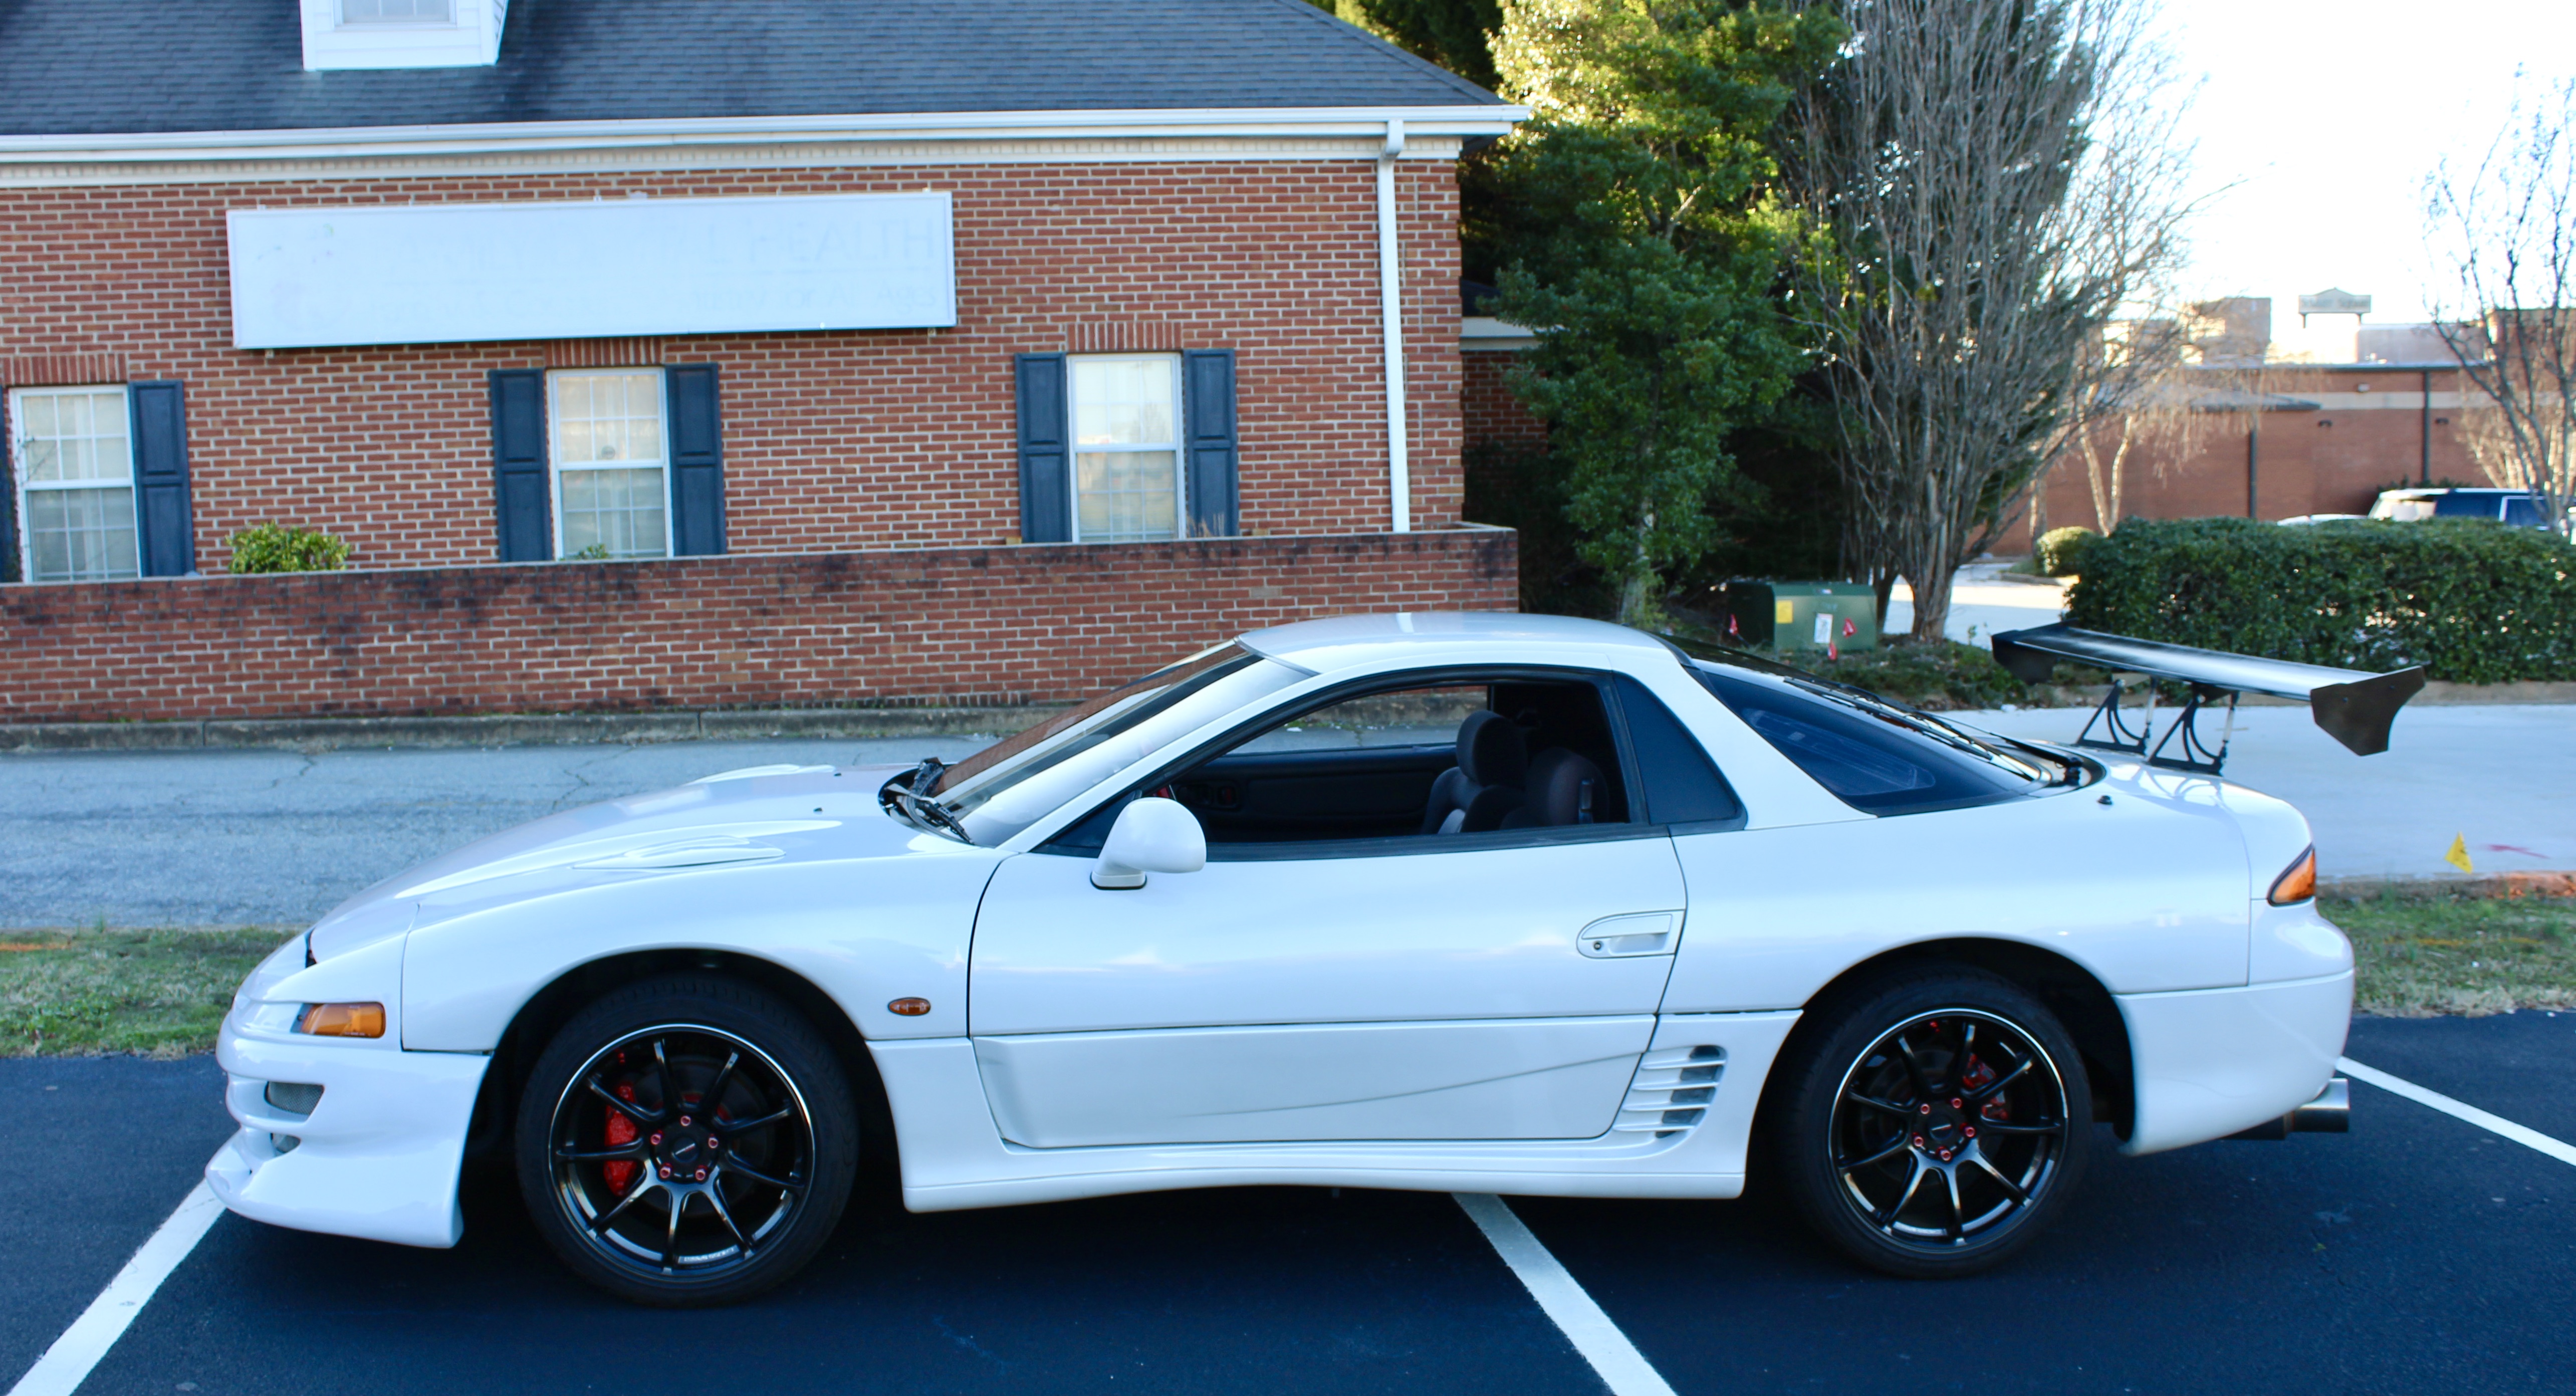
column 2138, row 399
column 2505, row 232
column 1986, row 184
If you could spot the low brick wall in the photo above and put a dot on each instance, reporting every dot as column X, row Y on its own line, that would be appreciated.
column 937, row 627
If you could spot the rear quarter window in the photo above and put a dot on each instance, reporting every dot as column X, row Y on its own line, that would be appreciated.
column 1868, row 762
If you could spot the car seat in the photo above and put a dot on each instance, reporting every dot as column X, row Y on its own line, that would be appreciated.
column 1559, row 789
column 1476, row 795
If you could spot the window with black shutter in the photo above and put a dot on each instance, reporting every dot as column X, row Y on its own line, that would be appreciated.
column 1127, row 448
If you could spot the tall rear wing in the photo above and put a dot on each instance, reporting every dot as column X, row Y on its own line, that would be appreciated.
column 2355, row 707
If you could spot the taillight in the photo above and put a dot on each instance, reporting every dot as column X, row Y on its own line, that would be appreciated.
column 2297, row 882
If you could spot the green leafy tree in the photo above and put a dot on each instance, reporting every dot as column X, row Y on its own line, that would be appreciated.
column 1634, row 219
column 1456, row 34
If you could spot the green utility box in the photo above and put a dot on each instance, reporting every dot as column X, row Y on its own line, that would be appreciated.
column 1801, row 617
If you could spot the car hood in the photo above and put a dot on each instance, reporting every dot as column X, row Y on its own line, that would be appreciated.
column 763, row 815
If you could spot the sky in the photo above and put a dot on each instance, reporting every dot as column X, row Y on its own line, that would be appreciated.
column 2314, row 125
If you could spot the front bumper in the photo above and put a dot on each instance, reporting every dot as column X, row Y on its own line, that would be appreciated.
column 378, row 1156
column 2211, row 1062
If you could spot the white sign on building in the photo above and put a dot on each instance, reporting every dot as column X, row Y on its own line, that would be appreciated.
column 444, row 273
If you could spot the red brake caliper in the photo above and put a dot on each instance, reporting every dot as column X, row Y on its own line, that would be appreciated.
column 1979, row 1077
column 621, row 1131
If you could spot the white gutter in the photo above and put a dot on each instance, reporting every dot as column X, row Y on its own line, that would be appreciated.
column 487, row 137
column 1390, row 297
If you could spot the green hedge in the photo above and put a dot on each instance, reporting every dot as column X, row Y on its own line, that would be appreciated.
column 2472, row 602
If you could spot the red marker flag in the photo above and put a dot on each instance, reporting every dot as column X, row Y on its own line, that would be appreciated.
column 1849, row 629
column 1830, row 651
column 1732, row 632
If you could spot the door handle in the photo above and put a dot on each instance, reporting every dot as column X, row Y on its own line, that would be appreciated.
column 1640, row 933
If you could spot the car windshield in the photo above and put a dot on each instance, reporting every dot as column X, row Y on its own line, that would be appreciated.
column 1007, row 786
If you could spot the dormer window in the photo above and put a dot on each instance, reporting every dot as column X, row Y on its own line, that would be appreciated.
column 397, row 11
column 402, row 33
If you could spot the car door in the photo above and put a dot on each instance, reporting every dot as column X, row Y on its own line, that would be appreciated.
column 1483, row 985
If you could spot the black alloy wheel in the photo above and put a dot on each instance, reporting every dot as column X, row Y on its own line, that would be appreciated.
column 686, row 1141
column 1935, row 1124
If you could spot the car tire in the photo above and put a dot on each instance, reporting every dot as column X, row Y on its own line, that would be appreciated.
column 1931, row 1123
column 686, row 1140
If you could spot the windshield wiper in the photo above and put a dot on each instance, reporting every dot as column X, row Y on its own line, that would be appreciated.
column 904, row 795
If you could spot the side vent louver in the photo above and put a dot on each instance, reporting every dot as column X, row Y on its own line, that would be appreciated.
column 1673, row 1088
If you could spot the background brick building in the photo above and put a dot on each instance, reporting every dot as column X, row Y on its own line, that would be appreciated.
column 1173, row 278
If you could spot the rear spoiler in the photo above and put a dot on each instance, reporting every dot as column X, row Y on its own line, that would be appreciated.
column 2354, row 706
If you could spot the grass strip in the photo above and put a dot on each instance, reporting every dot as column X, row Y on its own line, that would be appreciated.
column 159, row 992
column 2427, row 950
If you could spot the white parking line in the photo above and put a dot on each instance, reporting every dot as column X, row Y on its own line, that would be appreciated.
column 67, row 1363
column 2460, row 1110
column 1616, row 1359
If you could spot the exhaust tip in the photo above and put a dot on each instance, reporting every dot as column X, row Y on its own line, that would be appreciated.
column 2329, row 1113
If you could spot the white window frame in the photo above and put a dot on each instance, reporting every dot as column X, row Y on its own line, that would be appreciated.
column 556, row 468
column 340, row 17
column 1075, row 450
column 18, row 475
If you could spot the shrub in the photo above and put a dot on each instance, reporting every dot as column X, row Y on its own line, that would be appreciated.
column 2060, row 551
column 281, row 548
column 2470, row 601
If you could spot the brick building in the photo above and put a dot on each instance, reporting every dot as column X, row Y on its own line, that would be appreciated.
column 2276, row 439
column 623, row 339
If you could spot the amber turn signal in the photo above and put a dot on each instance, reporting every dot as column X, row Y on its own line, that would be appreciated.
column 909, row 1008
column 342, row 1020
column 2297, row 882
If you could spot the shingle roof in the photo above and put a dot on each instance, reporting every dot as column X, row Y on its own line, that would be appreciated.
column 81, row 67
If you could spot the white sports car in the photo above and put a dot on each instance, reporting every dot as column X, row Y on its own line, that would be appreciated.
column 1493, row 903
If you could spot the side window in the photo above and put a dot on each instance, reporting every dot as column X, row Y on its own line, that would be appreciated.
column 1404, row 769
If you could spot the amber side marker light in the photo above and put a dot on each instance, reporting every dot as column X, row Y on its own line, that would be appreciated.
column 909, row 1008
column 2297, row 882
column 342, row 1020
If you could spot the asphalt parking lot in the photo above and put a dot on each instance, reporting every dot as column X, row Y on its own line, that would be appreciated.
column 2416, row 1253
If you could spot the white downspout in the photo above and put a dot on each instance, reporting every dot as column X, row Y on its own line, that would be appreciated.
column 1390, row 293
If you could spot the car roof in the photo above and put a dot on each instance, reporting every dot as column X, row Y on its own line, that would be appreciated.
column 1320, row 646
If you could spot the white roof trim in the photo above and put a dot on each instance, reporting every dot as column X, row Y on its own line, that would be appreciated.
column 494, row 137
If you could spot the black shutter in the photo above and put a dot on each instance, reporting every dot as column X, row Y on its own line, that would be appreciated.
column 9, row 497
column 1207, row 413
column 519, row 464
column 159, row 416
column 1046, row 468
column 697, row 460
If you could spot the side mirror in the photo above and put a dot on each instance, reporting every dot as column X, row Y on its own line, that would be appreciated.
column 1151, row 835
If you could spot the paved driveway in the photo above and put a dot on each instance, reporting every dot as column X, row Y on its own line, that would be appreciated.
column 2500, row 778
column 273, row 837
column 2418, row 1253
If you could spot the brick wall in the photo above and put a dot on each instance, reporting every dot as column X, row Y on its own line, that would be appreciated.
column 1490, row 413
column 1027, row 623
column 833, row 441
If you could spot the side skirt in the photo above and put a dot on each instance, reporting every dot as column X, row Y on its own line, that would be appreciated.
column 954, row 1156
